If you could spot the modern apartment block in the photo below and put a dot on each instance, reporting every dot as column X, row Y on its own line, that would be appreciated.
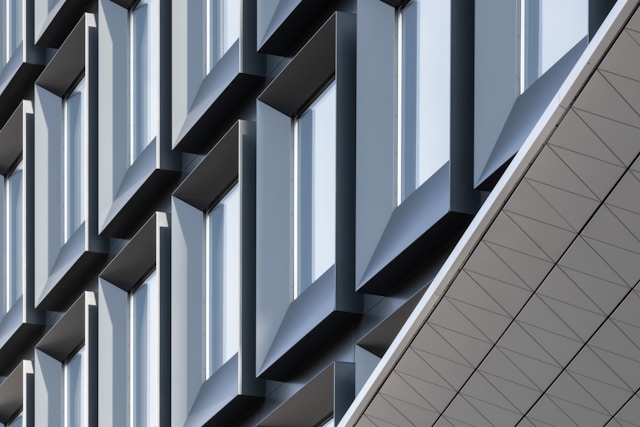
column 320, row 213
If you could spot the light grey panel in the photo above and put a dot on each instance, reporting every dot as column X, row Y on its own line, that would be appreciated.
column 375, row 124
column 48, row 391
column 187, row 278
column 273, row 232
column 113, row 355
column 113, row 96
column 496, row 73
column 366, row 362
column 47, row 184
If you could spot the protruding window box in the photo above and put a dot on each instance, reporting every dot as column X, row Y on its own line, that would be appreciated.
column 19, row 322
column 137, row 163
column 20, row 60
column 524, row 51
column 68, row 249
column 54, row 20
column 297, row 316
column 16, row 396
column 66, row 367
column 211, row 76
column 213, row 225
column 134, row 292
column 406, row 210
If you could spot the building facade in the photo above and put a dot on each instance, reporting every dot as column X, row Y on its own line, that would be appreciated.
column 318, row 213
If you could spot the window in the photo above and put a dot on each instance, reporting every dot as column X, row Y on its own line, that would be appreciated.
column 14, row 193
column 548, row 30
column 222, row 29
column 423, row 92
column 314, row 164
column 12, row 27
column 144, row 344
column 144, row 66
column 74, row 158
column 73, row 383
column 222, row 289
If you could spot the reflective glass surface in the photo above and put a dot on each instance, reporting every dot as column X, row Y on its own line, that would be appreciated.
column 316, row 188
column 424, row 92
column 144, row 76
column 222, row 28
column 223, row 241
column 13, row 26
column 75, row 152
column 551, row 29
column 74, row 390
column 15, row 230
column 144, row 353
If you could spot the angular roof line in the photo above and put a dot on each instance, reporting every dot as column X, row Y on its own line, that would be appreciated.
column 581, row 74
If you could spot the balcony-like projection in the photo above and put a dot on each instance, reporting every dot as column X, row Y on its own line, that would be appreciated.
column 19, row 321
column 133, row 310
column 305, row 201
column 213, row 314
column 68, row 249
column 528, row 49
column 534, row 318
column 215, row 66
column 136, row 160
column 414, row 142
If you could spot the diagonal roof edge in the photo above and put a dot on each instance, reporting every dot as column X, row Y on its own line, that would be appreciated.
column 608, row 33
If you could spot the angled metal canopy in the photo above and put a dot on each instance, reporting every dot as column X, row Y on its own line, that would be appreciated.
column 535, row 317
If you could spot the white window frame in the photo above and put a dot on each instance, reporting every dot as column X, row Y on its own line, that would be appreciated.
column 11, row 253
column 151, row 281
column 68, row 200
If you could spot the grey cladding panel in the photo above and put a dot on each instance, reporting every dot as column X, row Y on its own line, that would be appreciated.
column 113, row 350
column 187, row 279
column 273, row 238
column 375, row 137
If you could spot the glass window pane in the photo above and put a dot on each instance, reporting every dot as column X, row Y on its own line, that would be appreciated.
column 14, row 26
column 144, row 79
column 224, row 279
column 74, row 390
column 15, row 230
column 316, row 142
column 75, row 153
column 144, row 347
column 222, row 28
column 551, row 29
column 425, row 27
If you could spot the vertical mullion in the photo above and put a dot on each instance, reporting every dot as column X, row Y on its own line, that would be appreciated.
column 207, row 294
column 65, row 171
column 296, row 207
column 399, row 100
